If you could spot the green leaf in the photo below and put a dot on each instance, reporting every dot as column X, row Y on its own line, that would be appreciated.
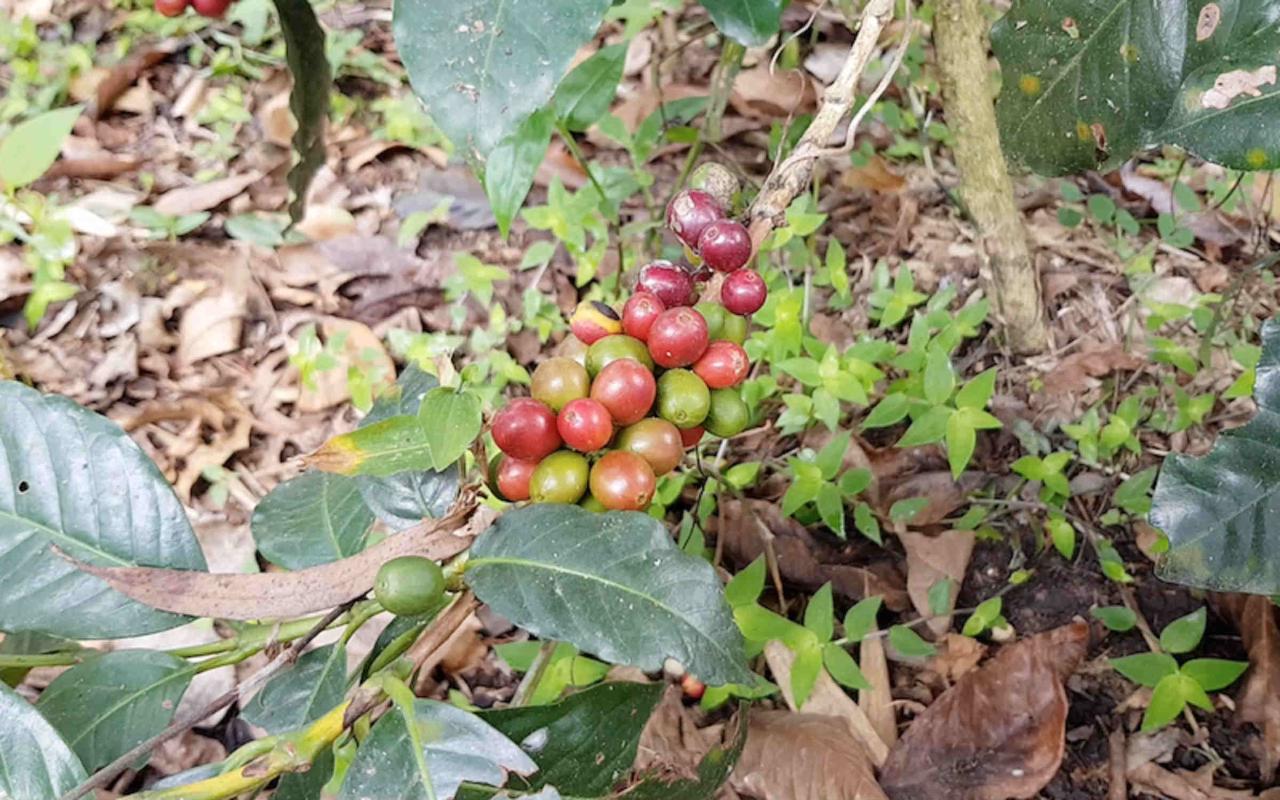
column 855, row 482
column 805, row 669
column 939, row 377
column 983, row 617
column 841, row 666
column 1167, row 701
column 759, row 624
column 32, row 146
column 73, row 479
column 746, row 586
column 939, row 596
column 1124, row 75
column 301, row 694
column 747, row 22
column 387, row 447
column 819, row 615
column 309, row 99
column 1183, row 634
column 452, row 422
column 37, row 764
column 861, row 619
column 585, row 94
column 1214, row 673
column 831, row 508
column 961, row 440
column 867, row 524
column 831, row 456
column 590, row 737
column 906, row 509
column 612, row 584
column 1116, row 618
column 312, row 519
column 929, row 427
column 978, row 391
column 805, row 370
column 891, row 410
column 1146, row 669
column 1134, row 495
column 512, row 164
column 482, row 66
column 110, row 703
column 1062, row 535
column 908, row 643
column 565, row 668
column 456, row 746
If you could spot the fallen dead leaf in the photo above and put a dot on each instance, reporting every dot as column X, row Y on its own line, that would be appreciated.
column 957, row 656
column 826, row 699
column 212, row 326
column 822, row 762
column 998, row 733
column 324, row 222
column 115, row 82
column 765, row 93
column 183, row 752
column 931, row 559
column 280, row 595
column 1092, row 360
column 204, row 196
column 877, row 702
column 753, row 527
column 1259, row 699
column 276, row 120
column 944, row 494
column 1208, row 226
column 672, row 747
column 874, row 176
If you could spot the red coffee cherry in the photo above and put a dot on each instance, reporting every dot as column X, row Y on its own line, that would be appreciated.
column 622, row 481
column 743, row 292
column 626, row 388
column 211, row 8
column 513, row 478
column 585, row 425
column 691, row 436
column 171, row 8
column 656, row 441
column 725, row 364
column 690, row 212
column 725, row 245
column 672, row 284
column 526, row 429
column 639, row 313
column 678, row 337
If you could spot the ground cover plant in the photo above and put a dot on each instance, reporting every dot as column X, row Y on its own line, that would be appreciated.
column 568, row 399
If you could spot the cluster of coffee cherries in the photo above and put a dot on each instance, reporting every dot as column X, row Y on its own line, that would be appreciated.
column 213, row 9
column 653, row 380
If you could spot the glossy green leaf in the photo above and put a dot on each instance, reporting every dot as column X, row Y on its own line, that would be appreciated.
column 72, row 479
column 105, row 706
column 304, row 41
column 1086, row 83
column 1145, row 669
column 842, row 668
column 37, row 764
column 301, row 694
column 908, row 643
column 509, row 172
column 452, row 421
column 748, row 22
column 1214, row 673
column 1183, row 634
column 861, row 619
column 819, row 615
column 614, row 585
column 585, row 743
column 482, row 66
column 456, row 746
column 978, row 391
column 746, row 586
column 390, row 446
column 1116, row 618
column 1167, row 701
column 32, row 146
column 961, row 440
column 312, row 519
column 585, row 94
column 1221, row 511
column 984, row 616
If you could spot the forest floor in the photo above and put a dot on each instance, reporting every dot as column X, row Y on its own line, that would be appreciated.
column 194, row 314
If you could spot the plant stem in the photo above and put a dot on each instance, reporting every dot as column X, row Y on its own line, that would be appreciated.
column 47, row 660
column 567, row 136
column 535, row 674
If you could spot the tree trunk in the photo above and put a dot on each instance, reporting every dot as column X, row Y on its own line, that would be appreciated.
column 1008, row 271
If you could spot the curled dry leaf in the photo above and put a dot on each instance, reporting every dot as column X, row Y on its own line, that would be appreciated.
column 204, row 196
column 278, row 595
column 821, row 762
column 998, row 733
column 766, row 93
column 931, row 559
column 877, row 702
column 1092, row 360
column 211, row 326
column 677, row 759
column 752, row 528
column 1259, row 700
